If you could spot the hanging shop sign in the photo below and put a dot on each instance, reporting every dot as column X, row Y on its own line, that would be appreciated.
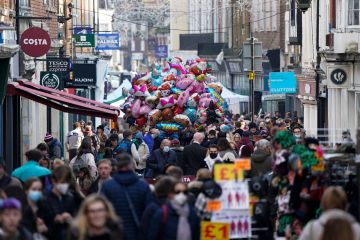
column 83, row 76
column 58, row 65
column 82, row 30
column 84, row 40
column 161, row 51
column 338, row 76
column 52, row 80
column 107, row 41
column 35, row 42
column 282, row 82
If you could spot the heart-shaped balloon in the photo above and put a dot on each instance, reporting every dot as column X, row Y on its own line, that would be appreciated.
column 135, row 108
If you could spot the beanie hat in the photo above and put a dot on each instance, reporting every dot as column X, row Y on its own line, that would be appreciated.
column 10, row 203
column 139, row 135
column 48, row 137
column 252, row 125
column 175, row 142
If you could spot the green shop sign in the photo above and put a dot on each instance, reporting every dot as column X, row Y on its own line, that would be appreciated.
column 84, row 40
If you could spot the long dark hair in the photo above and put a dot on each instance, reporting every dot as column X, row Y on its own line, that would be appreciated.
column 223, row 144
column 86, row 147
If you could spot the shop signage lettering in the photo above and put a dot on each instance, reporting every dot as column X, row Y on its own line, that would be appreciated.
column 58, row 65
column 107, row 41
column 211, row 230
column 282, row 82
column 227, row 172
column 35, row 42
column 51, row 80
column 84, row 75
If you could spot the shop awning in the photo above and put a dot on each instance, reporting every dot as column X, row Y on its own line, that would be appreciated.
column 61, row 101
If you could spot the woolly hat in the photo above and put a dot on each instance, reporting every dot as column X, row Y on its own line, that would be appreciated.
column 48, row 137
column 252, row 125
column 139, row 135
column 10, row 203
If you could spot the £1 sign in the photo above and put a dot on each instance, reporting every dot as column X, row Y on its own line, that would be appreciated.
column 215, row 231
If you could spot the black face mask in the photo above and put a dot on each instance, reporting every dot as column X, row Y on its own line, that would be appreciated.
column 213, row 155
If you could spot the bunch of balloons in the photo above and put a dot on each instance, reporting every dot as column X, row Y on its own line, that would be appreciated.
column 173, row 98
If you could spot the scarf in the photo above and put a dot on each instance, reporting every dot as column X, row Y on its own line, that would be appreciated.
column 183, row 228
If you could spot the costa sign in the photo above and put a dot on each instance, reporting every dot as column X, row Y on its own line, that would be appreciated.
column 35, row 42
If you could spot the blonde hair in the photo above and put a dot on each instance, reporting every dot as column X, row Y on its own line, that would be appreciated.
column 337, row 228
column 81, row 221
column 334, row 198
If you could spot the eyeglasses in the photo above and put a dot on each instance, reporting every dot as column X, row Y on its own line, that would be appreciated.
column 98, row 210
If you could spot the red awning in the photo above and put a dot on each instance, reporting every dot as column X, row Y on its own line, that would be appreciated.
column 62, row 101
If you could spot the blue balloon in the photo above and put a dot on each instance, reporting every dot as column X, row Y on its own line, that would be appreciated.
column 156, row 81
column 191, row 113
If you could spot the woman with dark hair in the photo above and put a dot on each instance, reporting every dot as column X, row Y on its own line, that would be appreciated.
column 84, row 167
column 225, row 150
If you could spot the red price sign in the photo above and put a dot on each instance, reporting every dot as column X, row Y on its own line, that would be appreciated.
column 215, row 231
column 227, row 172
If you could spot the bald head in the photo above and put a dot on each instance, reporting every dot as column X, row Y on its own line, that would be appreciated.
column 199, row 137
column 165, row 142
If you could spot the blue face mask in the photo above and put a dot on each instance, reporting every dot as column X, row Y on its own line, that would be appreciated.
column 166, row 149
column 35, row 196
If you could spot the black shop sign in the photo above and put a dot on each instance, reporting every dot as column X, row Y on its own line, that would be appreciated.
column 52, row 80
column 83, row 76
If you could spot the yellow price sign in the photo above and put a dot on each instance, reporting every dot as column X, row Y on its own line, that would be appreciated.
column 215, row 231
column 227, row 172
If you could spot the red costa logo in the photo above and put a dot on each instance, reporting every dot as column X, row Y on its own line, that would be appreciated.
column 35, row 42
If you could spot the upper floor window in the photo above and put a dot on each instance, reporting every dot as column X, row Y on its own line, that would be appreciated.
column 24, row 3
column 354, row 12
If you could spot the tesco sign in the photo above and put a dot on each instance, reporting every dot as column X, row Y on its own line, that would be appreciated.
column 35, row 42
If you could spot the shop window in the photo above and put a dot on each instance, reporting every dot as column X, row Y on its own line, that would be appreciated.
column 354, row 12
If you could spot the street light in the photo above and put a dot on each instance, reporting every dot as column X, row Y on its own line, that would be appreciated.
column 303, row 5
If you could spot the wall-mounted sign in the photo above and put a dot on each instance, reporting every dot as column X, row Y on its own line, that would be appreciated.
column 282, row 82
column 338, row 76
column 82, row 30
column 83, row 76
column 161, row 51
column 58, row 65
column 35, row 42
column 84, row 40
column 107, row 41
column 52, row 80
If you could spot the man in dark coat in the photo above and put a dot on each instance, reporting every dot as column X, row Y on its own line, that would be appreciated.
column 128, row 194
column 261, row 158
column 193, row 156
column 161, row 158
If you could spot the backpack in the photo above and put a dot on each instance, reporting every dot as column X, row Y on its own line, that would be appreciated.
column 123, row 147
column 78, row 165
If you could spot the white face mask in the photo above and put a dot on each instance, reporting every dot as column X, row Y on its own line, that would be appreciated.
column 180, row 198
column 62, row 187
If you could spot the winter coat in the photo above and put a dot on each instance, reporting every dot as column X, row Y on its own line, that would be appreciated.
column 314, row 229
column 29, row 170
column 74, row 138
column 210, row 162
column 148, row 214
column 115, row 232
column 193, row 159
column 24, row 234
column 144, row 153
column 8, row 181
column 89, row 159
column 149, row 142
column 139, row 195
column 228, row 155
column 260, row 163
column 168, row 231
column 55, row 149
column 159, row 160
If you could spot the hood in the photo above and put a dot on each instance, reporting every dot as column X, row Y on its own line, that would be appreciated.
column 259, row 156
column 335, row 213
column 126, row 178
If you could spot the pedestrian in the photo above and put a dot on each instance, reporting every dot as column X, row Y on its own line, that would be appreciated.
column 35, row 213
column 148, row 139
column 55, row 146
column 74, row 139
column 210, row 139
column 193, row 156
column 112, row 141
column 44, row 149
column 127, row 146
column 103, row 138
column 237, row 139
column 84, row 167
column 143, row 153
column 338, row 228
column 104, row 170
column 174, row 172
column 212, row 157
column 163, row 188
column 161, row 158
column 10, row 218
column 31, row 168
column 178, row 149
column 333, row 205
column 6, row 180
column 261, row 158
column 128, row 194
column 96, row 219
column 226, row 153
column 245, row 140
column 93, row 138
column 176, row 219
column 61, row 203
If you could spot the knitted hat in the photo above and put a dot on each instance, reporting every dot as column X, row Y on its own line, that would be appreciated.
column 48, row 137
column 10, row 203
column 139, row 135
column 175, row 142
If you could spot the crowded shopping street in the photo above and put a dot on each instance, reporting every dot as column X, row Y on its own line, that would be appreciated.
column 179, row 119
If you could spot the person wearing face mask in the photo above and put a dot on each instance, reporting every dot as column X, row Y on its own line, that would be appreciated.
column 213, row 156
column 176, row 219
column 35, row 213
column 161, row 158
column 297, row 134
column 60, row 202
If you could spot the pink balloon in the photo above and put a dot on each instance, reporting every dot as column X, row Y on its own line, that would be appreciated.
column 183, row 98
column 135, row 108
column 145, row 109
column 184, row 83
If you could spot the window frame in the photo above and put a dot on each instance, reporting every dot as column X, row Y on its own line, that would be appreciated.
column 351, row 14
